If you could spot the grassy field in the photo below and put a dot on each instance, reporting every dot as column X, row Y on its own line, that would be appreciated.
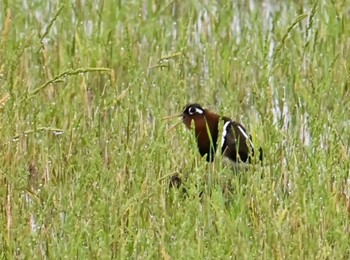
column 86, row 159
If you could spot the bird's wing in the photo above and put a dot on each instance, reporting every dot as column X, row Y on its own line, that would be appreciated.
column 236, row 140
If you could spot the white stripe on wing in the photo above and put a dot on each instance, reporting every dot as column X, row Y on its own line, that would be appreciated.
column 245, row 135
column 224, row 133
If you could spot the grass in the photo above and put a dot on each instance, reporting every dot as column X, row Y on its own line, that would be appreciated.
column 86, row 159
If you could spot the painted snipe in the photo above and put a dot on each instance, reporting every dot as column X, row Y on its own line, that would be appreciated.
column 236, row 144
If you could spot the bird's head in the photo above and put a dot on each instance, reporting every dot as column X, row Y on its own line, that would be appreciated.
column 193, row 112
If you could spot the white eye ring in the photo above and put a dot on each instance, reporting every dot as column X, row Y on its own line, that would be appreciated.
column 193, row 110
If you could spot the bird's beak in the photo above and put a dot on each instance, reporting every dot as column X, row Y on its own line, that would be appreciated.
column 171, row 117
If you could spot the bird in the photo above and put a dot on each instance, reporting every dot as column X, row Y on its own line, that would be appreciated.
column 236, row 144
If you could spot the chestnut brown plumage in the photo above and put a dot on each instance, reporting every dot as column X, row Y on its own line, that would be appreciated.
column 236, row 143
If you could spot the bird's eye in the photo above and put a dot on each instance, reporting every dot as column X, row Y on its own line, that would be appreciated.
column 192, row 110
